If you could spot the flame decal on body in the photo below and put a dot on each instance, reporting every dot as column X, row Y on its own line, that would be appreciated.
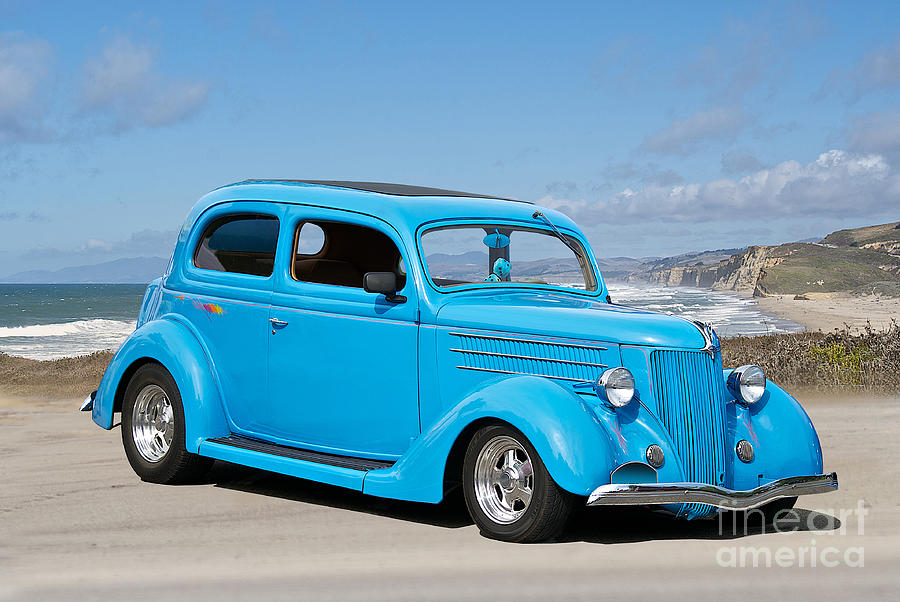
column 213, row 308
column 209, row 308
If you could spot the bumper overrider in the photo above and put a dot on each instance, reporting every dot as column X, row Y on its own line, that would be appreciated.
column 640, row 494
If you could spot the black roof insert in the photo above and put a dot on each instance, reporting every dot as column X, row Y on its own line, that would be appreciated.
column 394, row 189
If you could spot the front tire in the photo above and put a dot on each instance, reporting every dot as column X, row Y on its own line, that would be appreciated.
column 508, row 491
column 153, row 429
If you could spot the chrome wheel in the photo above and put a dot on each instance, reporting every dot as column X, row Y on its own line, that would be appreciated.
column 504, row 480
column 152, row 423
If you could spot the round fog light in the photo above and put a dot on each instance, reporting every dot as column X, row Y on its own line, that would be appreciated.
column 744, row 451
column 655, row 456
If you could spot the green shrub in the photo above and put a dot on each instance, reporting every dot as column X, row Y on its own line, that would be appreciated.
column 867, row 360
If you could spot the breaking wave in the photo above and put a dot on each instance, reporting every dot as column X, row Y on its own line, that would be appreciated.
column 729, row 314
column 53, row 341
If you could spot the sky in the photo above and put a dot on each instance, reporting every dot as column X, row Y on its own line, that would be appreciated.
column 660, row 128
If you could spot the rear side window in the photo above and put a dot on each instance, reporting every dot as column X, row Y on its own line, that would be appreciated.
column 243, row 244
column 340, row 254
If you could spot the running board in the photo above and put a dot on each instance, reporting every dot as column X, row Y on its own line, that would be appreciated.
column 273, row 449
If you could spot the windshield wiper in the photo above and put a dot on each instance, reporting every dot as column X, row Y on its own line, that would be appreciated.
column 582, row 259
column 559, row 234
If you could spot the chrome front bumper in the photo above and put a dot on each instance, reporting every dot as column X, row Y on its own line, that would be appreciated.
column 701, row 493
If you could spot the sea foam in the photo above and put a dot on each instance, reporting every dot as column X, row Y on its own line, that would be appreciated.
column 53, row 341
column 729, row 314
column 95, row 325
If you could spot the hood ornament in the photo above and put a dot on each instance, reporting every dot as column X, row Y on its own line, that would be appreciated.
column 712, row 346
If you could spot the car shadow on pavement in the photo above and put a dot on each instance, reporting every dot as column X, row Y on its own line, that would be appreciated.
column 609, row 525
column 450, row 514
column 630, row 525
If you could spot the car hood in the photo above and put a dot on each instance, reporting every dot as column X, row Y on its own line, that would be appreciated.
column 570, row 316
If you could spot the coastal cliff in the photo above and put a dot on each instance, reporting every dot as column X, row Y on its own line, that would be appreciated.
column 863, row 260
column 739, row 271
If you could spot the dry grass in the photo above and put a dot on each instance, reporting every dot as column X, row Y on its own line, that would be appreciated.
column 865, row 361
column 66, row 377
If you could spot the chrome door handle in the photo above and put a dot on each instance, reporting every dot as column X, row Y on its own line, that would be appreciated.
column 277, row 322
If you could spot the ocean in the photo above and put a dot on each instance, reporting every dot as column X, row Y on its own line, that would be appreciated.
column 730, row 315
column 49, row 321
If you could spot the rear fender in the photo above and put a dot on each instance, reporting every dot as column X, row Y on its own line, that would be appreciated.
column 173, row 344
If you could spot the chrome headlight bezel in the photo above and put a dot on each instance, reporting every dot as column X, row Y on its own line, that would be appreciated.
column 747, row 383
column 615, row 386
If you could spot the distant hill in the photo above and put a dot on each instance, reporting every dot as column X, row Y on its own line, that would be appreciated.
column 618, row 268
column 859, row 260
column 798, row 268
column 693, row 259
column 884, row 237
column 473, row 266
column 134, row 270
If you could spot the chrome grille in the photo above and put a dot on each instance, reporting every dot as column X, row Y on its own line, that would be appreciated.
column 515, row 355
column 689, row 391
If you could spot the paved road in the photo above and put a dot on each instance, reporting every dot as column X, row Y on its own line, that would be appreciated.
column 75, row 522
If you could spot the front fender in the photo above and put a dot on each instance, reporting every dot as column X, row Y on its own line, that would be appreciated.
column 172, row 343
column 571, row 441
column 785, row 442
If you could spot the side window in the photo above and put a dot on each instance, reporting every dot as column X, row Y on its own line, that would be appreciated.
column 242, row 243
column 340, row 254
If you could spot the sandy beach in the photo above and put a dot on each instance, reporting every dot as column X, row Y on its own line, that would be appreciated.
column 826, row 312
column 75, row 521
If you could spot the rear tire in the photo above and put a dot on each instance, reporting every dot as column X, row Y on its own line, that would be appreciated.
column 508, row 491
column 153, row 429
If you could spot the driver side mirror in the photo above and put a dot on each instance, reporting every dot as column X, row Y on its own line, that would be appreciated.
column 384, row 283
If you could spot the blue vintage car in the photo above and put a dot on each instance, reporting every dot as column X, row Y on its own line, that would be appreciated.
column 406, row 341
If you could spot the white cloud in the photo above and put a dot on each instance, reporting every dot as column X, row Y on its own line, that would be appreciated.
column 876, row 71
column 732, row 66
column 736, row 162
column 684, row 135
column 123, row 86
column 838, row 183
column 13, row 216
column 875, row 132
column 121, row 71
column 24, row 64
column 145, row 242
column 879, row 69
column 120, row 89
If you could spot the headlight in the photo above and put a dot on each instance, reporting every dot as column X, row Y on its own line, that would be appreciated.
column 747, row 383
column 615, row 386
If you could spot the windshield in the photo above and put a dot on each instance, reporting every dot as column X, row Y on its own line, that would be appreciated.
column 501, row 254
